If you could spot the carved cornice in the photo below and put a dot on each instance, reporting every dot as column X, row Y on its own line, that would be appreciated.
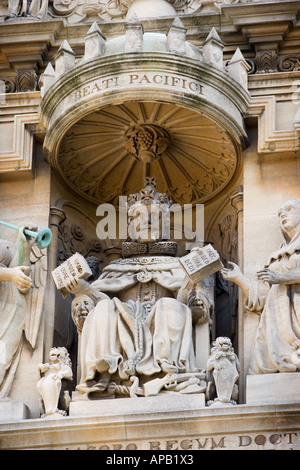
column 27, row 42
column 152, row 99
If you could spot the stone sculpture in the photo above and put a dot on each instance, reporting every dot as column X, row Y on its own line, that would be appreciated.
column 22, row 284
column 25, row 8
column 49, row 386
column 275, row 295
column 138, row 337
column 224, row 365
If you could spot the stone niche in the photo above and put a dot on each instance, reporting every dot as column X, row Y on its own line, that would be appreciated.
column 173, row 112
column 155, row 88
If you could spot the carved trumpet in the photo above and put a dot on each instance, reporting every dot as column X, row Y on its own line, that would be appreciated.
column 43, row 237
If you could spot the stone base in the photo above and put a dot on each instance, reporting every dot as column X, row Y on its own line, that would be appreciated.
column 240, row 427
column 11, row 411
column 273, row 388
column 163, row 403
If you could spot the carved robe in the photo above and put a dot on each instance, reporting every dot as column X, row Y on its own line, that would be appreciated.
column 20, row 314
column 12, row 319
column 278, row 335
column 142, row 322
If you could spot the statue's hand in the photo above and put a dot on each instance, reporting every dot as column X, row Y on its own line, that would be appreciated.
column 267, row 275
column 18, row 276
column 232, row 274
column 43, row 368
column 76, row 286
column 26, row 239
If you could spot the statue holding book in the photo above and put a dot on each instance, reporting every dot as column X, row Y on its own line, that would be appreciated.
column 136, row 337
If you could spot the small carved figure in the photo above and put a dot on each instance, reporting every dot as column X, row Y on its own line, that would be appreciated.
column 275, row 295
column 225, row 367
column 49, row 386
column 81, row 307
column 200, row 304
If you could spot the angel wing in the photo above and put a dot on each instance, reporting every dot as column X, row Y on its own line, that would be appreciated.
column 35, row 297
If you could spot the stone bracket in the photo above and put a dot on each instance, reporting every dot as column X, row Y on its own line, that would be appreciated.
column 18, row 122
column 271, row 140
column 18, row 155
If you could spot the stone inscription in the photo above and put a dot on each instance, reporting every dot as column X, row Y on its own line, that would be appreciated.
column 140, row 80
column 264, row 441
column 69, row 272
column 201, row 263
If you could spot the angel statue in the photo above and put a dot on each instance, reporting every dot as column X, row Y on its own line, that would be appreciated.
column 22, row 283
column 275, row 295
column 137, row 336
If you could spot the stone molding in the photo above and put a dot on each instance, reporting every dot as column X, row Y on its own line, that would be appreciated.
column 18, row 120
column 89, row 86
column 271, row 140
column 221, row 98
column 196, row 429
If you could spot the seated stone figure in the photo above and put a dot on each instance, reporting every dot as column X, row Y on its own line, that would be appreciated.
column 139, row 327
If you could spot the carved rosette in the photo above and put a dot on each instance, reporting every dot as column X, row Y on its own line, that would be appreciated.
column 289, row 63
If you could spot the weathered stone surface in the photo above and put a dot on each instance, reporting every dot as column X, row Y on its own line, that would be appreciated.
column 168, row 403
column 12, row 410
column 272, row 427
column 270, row 389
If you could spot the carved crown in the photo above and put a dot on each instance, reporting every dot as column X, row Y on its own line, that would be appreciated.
column 149, row 195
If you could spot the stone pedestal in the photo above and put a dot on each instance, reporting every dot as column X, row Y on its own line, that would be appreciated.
column 124, row 406
column 273, row 388
column 241, row 427
column 11, row 411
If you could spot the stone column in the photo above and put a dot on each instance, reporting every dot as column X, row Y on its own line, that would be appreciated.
column 57, row 217
column 237, row 201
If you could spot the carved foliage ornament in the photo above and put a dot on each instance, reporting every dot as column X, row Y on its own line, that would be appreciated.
column 76, row 11
column 64, row 7
column 289, row 63
column 72, row 239
column 147, row 142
